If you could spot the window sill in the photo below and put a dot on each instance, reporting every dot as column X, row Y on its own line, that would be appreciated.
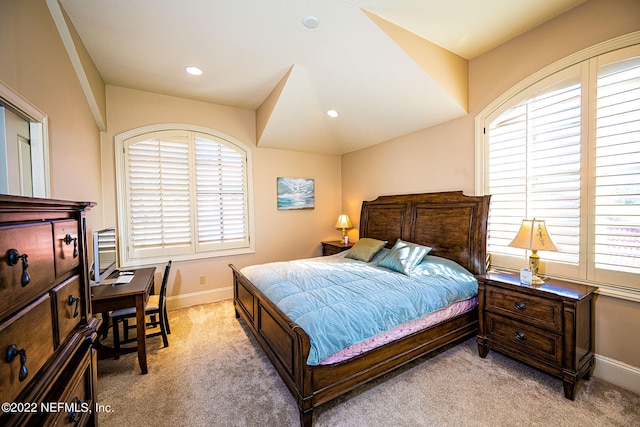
column 141, row 262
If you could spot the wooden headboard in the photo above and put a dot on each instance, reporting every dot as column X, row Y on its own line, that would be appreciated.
column 452, row 224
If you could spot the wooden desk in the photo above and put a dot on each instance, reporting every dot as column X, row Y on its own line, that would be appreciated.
column 106, row 298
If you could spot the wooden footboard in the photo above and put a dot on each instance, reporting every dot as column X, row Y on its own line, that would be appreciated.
column 283, row 341
column 288, row 346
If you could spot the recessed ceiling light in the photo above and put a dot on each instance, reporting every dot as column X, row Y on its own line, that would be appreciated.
column 332, row 113
column 194, row 71
column 310, row 21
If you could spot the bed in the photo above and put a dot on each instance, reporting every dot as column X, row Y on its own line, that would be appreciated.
column 453, row 225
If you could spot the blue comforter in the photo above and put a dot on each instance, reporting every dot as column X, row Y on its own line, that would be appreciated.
column 339, row 301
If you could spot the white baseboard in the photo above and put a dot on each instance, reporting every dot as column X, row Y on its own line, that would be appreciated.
column 618, row 373
column 196, row 298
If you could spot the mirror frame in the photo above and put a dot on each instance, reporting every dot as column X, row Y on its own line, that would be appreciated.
column 38, row 127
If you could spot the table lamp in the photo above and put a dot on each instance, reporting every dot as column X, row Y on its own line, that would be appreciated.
column 533, row 236
column 344, row 223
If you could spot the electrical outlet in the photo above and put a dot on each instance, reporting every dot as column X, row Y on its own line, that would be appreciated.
column 203, row 280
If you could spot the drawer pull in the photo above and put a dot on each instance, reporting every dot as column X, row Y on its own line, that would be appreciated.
column 68, row 239
column 520, row 336
column 74, row 412
column 73, row 299
column 520, row 306
column 12, row 352
column 13, row 256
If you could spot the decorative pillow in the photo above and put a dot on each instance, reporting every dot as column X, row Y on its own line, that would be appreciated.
column 404, row 256
column 365, row 249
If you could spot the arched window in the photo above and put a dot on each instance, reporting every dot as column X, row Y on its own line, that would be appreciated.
column 566, row 149
column 183, row 192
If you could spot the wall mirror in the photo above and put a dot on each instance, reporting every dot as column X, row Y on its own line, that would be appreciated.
column 24, row 157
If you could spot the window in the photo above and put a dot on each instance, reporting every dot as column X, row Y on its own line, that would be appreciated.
column 617, row 168
column 182, row 193
column 566, row 149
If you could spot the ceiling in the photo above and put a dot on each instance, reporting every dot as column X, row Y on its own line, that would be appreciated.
column 389, row 67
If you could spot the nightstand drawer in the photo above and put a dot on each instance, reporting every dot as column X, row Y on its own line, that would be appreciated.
column 527, row 308
column 330, row 250
column 335, row 247
column 525, row 338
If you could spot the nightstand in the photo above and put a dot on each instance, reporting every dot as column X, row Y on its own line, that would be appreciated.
column 549, row 326
column 334, row 247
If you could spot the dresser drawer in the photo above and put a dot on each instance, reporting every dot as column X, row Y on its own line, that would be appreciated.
column 73, row 407
column 36, row 242
column 541, row 344
column 30, row 329
column 65, row 237
column 68, row 306
column 527, row 308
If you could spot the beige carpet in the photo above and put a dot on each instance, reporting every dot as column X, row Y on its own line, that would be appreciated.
column 213, row 374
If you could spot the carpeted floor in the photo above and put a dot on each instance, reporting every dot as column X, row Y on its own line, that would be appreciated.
column 214, row 374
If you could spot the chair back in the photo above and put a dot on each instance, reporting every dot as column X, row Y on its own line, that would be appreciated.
column 163, row 287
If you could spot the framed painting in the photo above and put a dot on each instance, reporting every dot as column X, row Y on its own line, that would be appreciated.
column 296, row 193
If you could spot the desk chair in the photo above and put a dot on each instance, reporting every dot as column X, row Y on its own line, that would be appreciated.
column 156, row 306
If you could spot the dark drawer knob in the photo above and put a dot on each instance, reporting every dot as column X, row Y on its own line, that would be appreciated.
column 76, row 300
column 12, row 352
column 74, row 412
column 520, row 336
column 520, row 306
column 68, row 239
column 13, row 256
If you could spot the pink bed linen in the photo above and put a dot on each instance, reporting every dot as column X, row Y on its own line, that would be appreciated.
column 403, row 330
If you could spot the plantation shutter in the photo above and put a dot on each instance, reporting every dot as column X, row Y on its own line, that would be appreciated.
column 534, row 171
column 183, row 194
column 159, row 195
column 221, row 194
column 507, row 178
column 617, row 181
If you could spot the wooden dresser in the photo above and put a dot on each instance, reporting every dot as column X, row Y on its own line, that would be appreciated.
column 549, row 326
column 48, row 367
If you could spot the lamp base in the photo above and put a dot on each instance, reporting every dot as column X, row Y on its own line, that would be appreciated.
column 535, row 280
column 534, row 265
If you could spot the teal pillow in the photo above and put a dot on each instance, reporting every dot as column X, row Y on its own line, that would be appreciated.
column 404, row 256
column 365, row 249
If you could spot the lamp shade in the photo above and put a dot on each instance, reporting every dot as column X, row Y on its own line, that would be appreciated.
column 343, row 222
column 533, row 235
